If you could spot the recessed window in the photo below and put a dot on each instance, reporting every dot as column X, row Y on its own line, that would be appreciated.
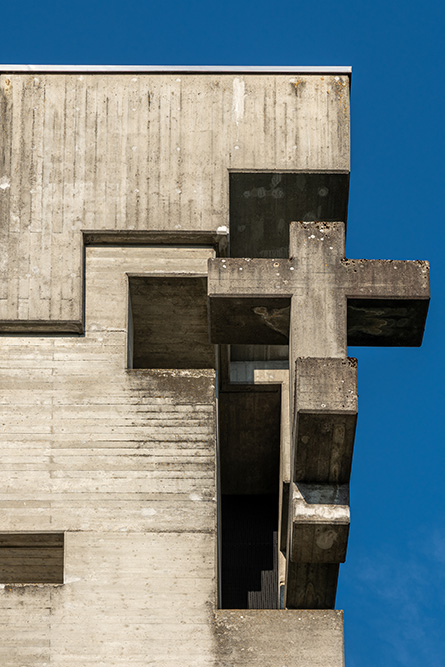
column 31, row 558
column 169, row 323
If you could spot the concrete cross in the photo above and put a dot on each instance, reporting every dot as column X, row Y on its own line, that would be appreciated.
column 319, row 302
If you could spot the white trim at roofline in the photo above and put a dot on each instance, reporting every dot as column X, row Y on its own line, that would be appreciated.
column 251, row 69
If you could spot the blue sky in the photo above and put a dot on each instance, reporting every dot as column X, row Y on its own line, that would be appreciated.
column 393, row 584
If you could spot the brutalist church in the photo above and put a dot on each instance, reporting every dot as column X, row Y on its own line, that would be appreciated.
column 178, row 407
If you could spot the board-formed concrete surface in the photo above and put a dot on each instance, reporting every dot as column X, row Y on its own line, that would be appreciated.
column 122, row 461
column 288, row 639
column 303, row 300
column 104, row 175
column 141, row 151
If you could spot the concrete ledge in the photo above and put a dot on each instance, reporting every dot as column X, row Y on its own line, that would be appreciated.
column 325, row 419
column 288, row 638
column 311, row 585
column 320, row 523
column 165, row 69
column 219, row 240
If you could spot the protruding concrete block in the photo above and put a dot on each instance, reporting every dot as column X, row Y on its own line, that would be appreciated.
column 324, row 419
column 320, row 523
column 268, row 638
column 334, row 301
column 311, row 585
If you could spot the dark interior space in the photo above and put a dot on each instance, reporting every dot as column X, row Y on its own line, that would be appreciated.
column 259, row 353
column 249, row 552
column 262, row 204
column 249, row 418
column 169, row 323
column 249, row 435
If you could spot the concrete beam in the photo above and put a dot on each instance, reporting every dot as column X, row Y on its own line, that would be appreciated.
column 320, row 523
column 386, row 302
column 311, row 585
column 325, row 417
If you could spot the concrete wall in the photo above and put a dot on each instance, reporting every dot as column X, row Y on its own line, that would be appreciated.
column 124, row 461
column 270, row 638
column 129, row 152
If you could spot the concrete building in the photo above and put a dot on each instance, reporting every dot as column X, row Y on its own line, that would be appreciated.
column 177, row 405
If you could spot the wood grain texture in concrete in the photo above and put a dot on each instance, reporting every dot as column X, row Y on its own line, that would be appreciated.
column 141, row 151
column 123, row 462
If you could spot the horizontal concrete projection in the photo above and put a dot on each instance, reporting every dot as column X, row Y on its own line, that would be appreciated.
column 394, row 322
column 325, row 414
column 325, row 418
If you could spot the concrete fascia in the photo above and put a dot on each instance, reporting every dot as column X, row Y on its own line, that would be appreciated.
column 198, row 69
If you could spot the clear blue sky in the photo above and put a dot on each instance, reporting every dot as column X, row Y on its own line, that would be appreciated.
column 393, row 584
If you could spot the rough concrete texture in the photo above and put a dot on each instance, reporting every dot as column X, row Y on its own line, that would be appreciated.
column 141, row 151
column 320, row 523
column 252, row 300
column 325, row 416
column 285, row 638
column 304, row 300
column 124, row 462
column 311, row 585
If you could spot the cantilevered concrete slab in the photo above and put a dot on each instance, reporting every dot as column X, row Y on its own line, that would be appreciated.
column 311, row 585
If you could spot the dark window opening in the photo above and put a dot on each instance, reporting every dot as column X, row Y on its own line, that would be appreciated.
column 262, row 206
column 249, row 467
column 31, row 558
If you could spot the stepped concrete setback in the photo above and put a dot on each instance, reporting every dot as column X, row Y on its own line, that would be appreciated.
column 178, row 408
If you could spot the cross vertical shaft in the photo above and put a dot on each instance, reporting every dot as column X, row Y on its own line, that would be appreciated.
column 318, row 309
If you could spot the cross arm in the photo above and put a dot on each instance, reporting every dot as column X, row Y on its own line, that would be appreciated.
column 386, row 278
column 387, row 301
column 249, row 300
column 250, row 277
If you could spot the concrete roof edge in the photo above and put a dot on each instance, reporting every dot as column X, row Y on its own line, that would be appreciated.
column 251, row 69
